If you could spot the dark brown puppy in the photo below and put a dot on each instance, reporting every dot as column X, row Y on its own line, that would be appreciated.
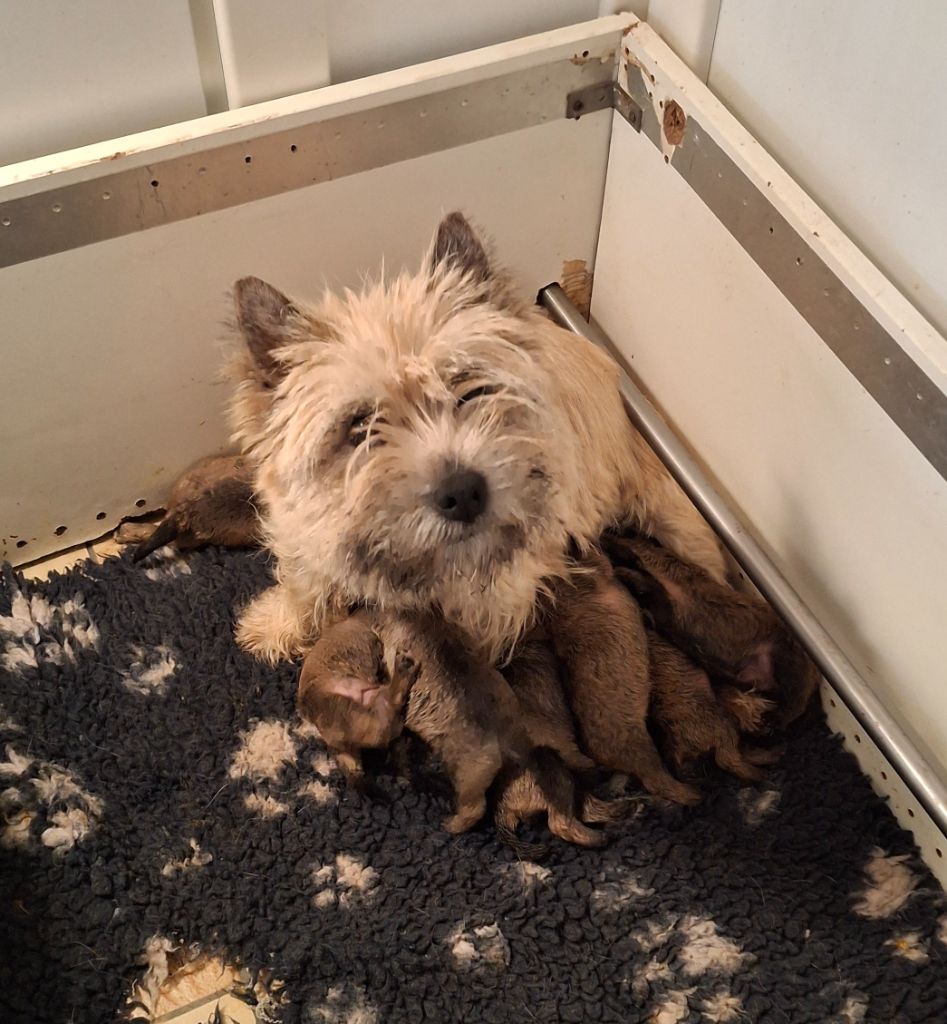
column 734, row 636
column 692, row 720
column 535, row 677
column 598, row 633
column 211, row 503
column 369, row 677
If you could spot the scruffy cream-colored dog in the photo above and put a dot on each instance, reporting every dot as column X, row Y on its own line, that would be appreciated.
column 434, row 442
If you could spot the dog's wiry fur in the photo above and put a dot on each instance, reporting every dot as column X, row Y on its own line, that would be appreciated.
column 354, row 411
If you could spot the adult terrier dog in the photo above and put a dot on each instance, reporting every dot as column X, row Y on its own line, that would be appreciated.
column 434, row 442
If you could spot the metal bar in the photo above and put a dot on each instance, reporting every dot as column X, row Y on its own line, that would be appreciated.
column 894, row 744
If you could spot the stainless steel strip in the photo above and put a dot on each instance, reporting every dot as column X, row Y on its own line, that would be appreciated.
column 180, row 187
column 876, row 359
column 896, row 746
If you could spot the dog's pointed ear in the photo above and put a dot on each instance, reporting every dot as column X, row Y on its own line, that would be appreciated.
column 457, row 246
column 263, row 315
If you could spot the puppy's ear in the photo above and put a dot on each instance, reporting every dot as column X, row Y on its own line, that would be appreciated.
column 457, row 246
column 263, row 315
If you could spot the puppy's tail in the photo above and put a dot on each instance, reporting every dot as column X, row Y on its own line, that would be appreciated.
column 525, row 851
column 165, row 532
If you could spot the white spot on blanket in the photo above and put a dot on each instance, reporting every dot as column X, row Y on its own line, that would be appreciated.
column 890, row 883
column 167, row 564
column 197, row 858
column 70, row 812
column 704, row 950
column 344, row 1004
column 15, row 764
column 909, row 946
column 528, row 874
column 654, row 933
column 644, row 977
column 55, row 785
column 942, row 929
column 150, row 670
column 320, row 792
column 67, row 829
column 622, row 887
column 265, row 806
column 41, row 632
column 483, row 946
column 264, row 751
column 853, row 1010
column 722, row 1008
column 672, row 1008
column 757, row 806
column 345, row 881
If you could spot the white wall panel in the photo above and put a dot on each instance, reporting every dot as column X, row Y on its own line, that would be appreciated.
column 368, row 36
column 74, row 73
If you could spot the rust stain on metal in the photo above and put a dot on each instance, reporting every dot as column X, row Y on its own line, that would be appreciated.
column 576, row 281
column 675, row 121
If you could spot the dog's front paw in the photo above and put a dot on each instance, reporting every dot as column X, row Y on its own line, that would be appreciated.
column 272, row 626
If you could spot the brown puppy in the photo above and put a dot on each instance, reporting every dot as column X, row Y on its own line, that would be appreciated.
column 349, row 692
column 367, row 678
column 692, row 720
column 734, row 636
column 598, row 633
column 211, row 503
column 536, row 679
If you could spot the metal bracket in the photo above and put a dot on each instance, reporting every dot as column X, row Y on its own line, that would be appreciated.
column 603, row 96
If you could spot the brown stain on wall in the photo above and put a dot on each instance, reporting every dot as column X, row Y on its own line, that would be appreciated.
column 675, row 121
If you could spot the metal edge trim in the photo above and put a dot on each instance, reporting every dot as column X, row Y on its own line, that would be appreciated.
column 176, row 188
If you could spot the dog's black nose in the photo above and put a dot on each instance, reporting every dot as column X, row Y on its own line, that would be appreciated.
column 462, row 495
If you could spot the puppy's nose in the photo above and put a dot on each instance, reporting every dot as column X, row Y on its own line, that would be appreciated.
column 462, row 495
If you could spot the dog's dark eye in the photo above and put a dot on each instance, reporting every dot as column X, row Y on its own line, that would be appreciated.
column 475, row 393
column 358, row 428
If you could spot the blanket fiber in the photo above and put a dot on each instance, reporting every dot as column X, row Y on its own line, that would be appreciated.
column 159, row 794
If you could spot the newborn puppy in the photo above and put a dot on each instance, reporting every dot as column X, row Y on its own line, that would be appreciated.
column 211, row 503
column 734, row 636
column 598, row 633
column 351, row 694
column 535, row 677
column 692, row 720
column 368, row 677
